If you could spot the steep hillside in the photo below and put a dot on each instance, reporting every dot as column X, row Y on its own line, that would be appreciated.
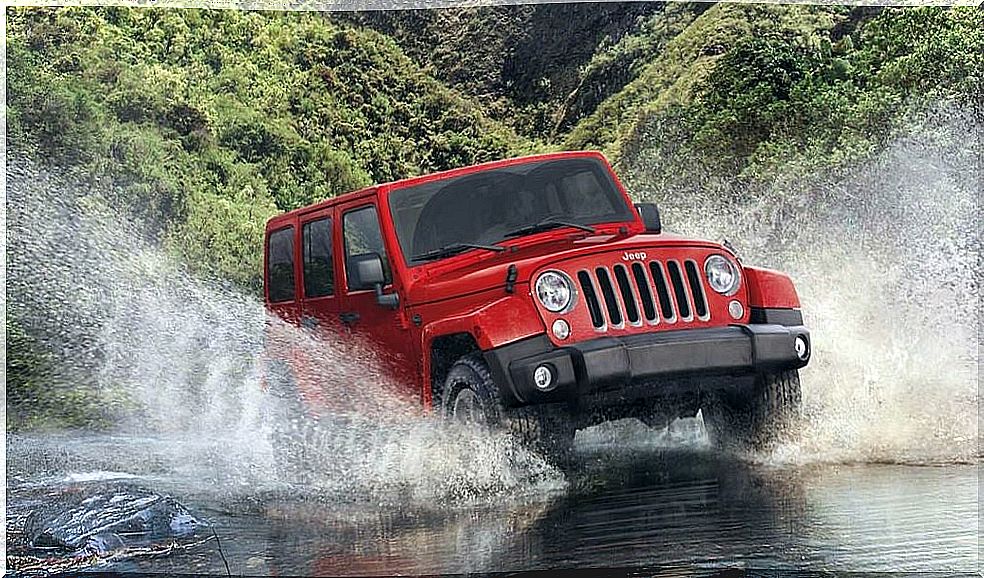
column 671, row 74
column 522, row 62
column 206, row 123
column 620, row 60
column 754, row 90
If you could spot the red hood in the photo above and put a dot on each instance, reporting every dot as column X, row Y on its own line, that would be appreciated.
column 480, row 270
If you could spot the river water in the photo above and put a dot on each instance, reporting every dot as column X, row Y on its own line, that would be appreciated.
column 648, row 501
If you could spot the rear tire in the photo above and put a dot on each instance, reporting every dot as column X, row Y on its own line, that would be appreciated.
column 756, row 419
column 470, row 396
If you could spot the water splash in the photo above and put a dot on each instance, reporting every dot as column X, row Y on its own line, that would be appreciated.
column 886, row 258
column 885, row 255
column 178, row 357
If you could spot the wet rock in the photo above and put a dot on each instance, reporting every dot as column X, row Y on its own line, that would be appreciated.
column 114, row 521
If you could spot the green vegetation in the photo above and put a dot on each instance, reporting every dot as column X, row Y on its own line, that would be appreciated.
column 205, row 123
column 45, row 392
column 673, row 74
column 521, row 62
column 619, row 62
column 209, row 122
column 758, row 91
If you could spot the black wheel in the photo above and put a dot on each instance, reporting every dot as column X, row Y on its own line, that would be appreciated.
column 471, row 397
column 757, row 418
column 548, row 430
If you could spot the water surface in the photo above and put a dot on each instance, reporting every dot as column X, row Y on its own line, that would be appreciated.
column 629, row 505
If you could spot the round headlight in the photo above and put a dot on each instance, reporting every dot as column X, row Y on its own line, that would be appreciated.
column 722, row 275
column 555, row 291
column 561, row 329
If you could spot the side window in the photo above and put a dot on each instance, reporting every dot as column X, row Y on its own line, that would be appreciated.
column 362, row 238
column 280, row 265
column 319, row 273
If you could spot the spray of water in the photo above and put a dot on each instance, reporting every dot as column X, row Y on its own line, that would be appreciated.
column 885, row 255
column 181, row 357
column 886, row 258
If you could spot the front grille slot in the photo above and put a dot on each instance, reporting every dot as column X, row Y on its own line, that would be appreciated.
column 591, row 298
column 608, row 292
column 627, row 294
column 628, row 297
column 676, row 278
column 665, row 305
column 696, row 291
column 648, row 305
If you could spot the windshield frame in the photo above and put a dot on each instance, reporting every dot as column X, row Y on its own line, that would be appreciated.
column 622, row 206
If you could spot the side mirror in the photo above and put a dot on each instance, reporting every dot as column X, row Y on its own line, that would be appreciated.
column 369, row 269
column 650, row 217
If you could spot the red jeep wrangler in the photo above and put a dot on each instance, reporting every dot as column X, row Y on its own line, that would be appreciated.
column 531, row 294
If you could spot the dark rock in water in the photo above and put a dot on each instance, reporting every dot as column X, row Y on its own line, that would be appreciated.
column 115, row 521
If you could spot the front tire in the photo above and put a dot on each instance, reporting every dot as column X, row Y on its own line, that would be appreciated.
column 471, row 397
column 756, row 419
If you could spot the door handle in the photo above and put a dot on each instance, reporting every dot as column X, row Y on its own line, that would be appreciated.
column 308, row 322
column 349, row 317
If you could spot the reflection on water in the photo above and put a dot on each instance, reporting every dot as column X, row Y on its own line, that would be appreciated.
column 633, row 506
column 670, row 508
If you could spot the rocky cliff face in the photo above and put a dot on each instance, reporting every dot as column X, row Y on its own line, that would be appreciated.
column 523, row 62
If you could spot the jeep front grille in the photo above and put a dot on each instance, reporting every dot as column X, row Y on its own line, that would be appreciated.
column 624, row 295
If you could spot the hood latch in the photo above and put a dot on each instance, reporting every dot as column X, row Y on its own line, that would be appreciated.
column 511, row 274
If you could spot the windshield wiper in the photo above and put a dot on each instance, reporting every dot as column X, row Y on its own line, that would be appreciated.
column 454, row 249
column 546, row 225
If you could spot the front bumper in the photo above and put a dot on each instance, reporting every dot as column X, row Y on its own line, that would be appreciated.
column 607, row 363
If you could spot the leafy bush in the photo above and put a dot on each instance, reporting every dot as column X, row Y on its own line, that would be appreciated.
column 209, row 122
column 781, row 103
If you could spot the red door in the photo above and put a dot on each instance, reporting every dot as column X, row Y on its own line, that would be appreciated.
column 315, row 353
column 384, row 329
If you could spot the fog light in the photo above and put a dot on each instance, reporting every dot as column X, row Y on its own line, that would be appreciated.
column 561, row 329
column 736, row 310
column 802, row 347
column 543, row 377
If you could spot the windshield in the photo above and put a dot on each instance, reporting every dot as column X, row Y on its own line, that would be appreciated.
column 489, row 206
